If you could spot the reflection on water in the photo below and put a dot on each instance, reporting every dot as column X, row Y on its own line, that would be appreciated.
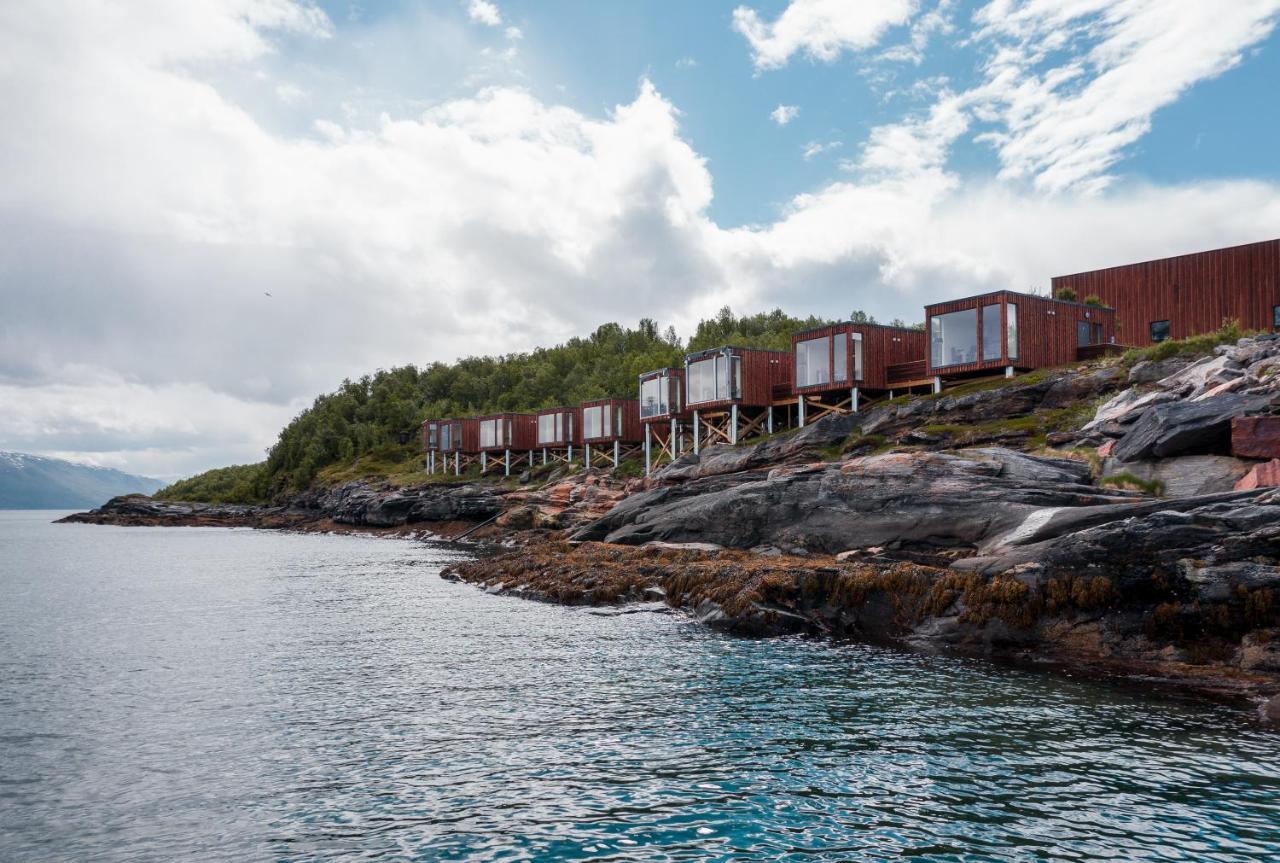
column 230, row 695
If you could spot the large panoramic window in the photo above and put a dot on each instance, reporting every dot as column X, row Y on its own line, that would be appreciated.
column 596, row 422
column 813, row 359
column 1011, row 331
column 489, row 433
column 954, row 338
column 654, row 397
column 991, row 331
column 1159, row 331
column 550, row 427
column 702, row 380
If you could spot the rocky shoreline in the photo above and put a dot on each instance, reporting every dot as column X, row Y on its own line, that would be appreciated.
column 1095, row 518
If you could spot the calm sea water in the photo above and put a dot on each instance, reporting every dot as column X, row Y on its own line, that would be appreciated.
column 177, row 694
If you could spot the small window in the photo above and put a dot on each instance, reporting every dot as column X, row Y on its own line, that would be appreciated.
column 1275, row 317
column 1159, row 331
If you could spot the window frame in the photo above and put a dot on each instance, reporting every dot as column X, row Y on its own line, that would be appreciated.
column 1168, row 331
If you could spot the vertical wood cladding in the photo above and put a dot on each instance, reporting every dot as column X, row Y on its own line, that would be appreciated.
column 470, row 435
column 763, row 371
column 1046, row 331
column 1195, row 293
column 629, row 432
column 570, row 427
column 882, row 346
column 456, row 435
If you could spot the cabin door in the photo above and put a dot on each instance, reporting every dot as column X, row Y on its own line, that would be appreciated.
column 1082, row 333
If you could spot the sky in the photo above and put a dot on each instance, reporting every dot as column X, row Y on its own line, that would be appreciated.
column 212, row 212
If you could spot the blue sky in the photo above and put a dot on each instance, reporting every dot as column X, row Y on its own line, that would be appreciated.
column 213, row 212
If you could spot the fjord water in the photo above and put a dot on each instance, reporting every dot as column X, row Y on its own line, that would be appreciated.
column 174, row 693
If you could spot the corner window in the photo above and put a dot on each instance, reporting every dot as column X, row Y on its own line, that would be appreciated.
column 954, row 338
column 1159, row 331
column 1011, row 331
column 653, row 396
column 813, row 358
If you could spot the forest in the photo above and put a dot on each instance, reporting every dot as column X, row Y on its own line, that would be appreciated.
column 374, row 421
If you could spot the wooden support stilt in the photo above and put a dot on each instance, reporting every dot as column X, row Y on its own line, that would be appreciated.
column 853, row 400
column 937, row 386
column 506, row 462
column 616, row 457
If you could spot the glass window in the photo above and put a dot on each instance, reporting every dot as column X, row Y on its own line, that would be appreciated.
column 1011, row 331
column 737, row 377
column 547, row 428
column 432, row 435
column 653, row 396
column 813, row 360
column 954, row 338
column 488, row 433
column 857, row 356
column 593, row 421
column 1159, row 331
column 1275, row 317
column 702, row 381
column 840, row 357
column 991, row 331
column 446, row 436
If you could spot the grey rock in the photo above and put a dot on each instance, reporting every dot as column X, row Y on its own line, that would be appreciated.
column 1148, row 371
column 1178, row 427
column 1183, row 476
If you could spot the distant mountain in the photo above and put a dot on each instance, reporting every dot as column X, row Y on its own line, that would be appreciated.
column 36, row 482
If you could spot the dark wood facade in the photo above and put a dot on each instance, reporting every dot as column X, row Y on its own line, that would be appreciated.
column 513, row 431
column 1010, row 329
column 623, row 421
column 663, row 399
column 755, row 378
column 447, row 436
column 558, row 433
column 860, row 359
column 1193, row 293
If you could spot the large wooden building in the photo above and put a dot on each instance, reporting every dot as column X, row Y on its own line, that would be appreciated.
column 1173, row 298
column 837, row 365
column 507, row 439
column 732, row 391
column 451, row 444
column 1008, row 331
column 611, row 429
column 663, row 415
column 559, row 431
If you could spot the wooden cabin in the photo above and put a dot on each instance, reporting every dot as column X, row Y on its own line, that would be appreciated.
column 511, row 435
column 732, row 392
column 836, row 366
column 664, row 416
column 1173, row 298
column 1010, row 331
column 451, row 445
column 559, row 431
column 611, row 429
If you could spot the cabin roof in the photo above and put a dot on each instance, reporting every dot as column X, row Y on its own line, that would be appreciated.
column 662, row 371
column 1016, row 294
column 697, row 355
column 853, row 324
column 1166, row 258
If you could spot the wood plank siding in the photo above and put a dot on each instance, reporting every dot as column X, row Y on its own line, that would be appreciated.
column 445, row 435
column 756, row 374
column 673, row 394
column 1195, row 293
column 1047, row 333
column 563, row 432
column 514, row 431
column 881, row 347
column 623, row 420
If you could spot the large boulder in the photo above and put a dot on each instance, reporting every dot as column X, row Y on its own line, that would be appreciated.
column 722, row 459
column 1182, row 426
column 1183, row 476
column 1256, row 437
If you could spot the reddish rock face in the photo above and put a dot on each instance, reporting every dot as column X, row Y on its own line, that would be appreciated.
column 1256, row 437
column 1264, row 475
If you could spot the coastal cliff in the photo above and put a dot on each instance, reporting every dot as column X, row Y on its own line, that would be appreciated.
column 1093, row 517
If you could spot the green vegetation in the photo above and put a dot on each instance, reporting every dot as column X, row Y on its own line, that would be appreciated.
column 1194, row 346
column 370, row 427
column 241, row 483
column 1069, row 295
column 1095, row 300
column 1152, row 487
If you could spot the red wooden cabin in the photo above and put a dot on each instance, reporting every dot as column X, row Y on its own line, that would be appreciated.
column 450, row 445
column 511, row 434
column 559, row 430
column 611, row 428
column 1173, row 298
column 663, row 414
column 1007, row 330
column 731, row 391
column 835, row 365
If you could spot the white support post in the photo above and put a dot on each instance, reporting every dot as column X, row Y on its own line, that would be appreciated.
column 587, row 457
column 697, row 435
column 675, row 440
column 1008, row 371
column 484, row 462
column 890, row 395
column 570, row 452
column 853, row 403
column 937, row 384
column 506, row 462
column 647, row 462
column 530, row 459
column 770, row 420
column 800, row 404
column 544, row 455
column 616, row 454
column 733, row 424
column 457, row 464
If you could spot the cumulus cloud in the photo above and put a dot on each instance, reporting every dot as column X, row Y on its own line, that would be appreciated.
column 145, row 215
column 814, row 149
column 484, row 12
column 784, row 114
column 820, row 28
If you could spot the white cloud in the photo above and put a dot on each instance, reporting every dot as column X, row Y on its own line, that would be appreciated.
column 686, row 63
column 484, row 12
column 290, row 94
column 820, row 28
column 514, row 34
column 817, row 148
column 784, row 114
